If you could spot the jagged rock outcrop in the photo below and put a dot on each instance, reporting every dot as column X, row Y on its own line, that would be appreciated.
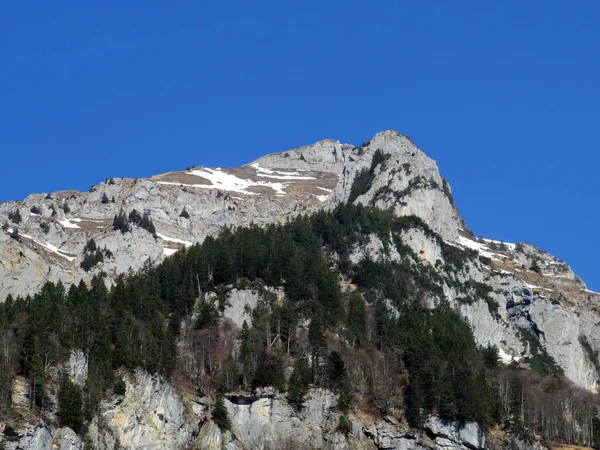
column 44, row 437
column 151, row 414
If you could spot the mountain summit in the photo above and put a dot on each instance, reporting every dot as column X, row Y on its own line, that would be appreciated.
column 187, row 206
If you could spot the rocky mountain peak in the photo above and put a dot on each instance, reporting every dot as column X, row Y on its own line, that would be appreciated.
column 55, row 228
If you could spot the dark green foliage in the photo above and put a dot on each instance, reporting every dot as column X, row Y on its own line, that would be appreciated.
column 455, row 258
column 105, row 199
column 336, row 370
column 14, row 234
column 483, row 291
column 90, row 260
column 147, row 224
column 184, row 213
column 15, row 216
column 219, row 414
column 111, row 181
column 45, row 226
column 444, row 366
column 90, row 246
column 269, row 372
column 66, row 209
column 5, row 379
column 344, row 425
column 119, row 387
column 120, row 223
column 356, row 320
column 135, row 217
column 490, row 356
column 519, row 247
column 364, row 179
column 591, row 353
column 208, row 314
column 299, row 381
column 540, row 361
column 447, row 192
column 70, row 404
column 144, row 221
column 535, row 267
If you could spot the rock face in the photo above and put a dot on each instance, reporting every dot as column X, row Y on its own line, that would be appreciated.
column 269, row 420
column 44, row 437
column 150, row 415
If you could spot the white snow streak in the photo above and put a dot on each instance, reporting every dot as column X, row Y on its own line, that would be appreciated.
column 268, row 173
column 508, row 244
column 47, row 246
column 169, row 251
column 67, row 223
column 170, row 239
column 231, row 183
column 474, row 245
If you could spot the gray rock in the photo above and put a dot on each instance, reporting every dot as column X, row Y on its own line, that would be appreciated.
column 151, row 415
column 452, row 435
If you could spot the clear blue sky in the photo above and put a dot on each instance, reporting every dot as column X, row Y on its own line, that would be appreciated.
column 504, row 95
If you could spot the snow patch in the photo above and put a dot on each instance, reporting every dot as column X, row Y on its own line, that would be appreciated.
column 507, row 358
column 170, row 239
column 474, row 245
column 231, row 183
column 278, row 174
column 508, row 245
column 47, row 246
column 66, row 223
column 169, row 251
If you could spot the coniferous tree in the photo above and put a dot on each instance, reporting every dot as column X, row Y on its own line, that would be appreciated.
column 70, row 404
column 120, row 223
column 299, row 381
column 15, row 216
column 220, row 415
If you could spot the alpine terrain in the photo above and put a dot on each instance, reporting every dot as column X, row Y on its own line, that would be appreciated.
column 328, row 296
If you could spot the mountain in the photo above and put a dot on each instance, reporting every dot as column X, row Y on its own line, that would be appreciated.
column 383, row 226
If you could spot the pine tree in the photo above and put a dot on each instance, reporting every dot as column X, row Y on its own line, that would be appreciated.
column 15, row 216
column 299, row 381
column 70, row 404
column 219, row 414
column 120, row 223
column 344, row 425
